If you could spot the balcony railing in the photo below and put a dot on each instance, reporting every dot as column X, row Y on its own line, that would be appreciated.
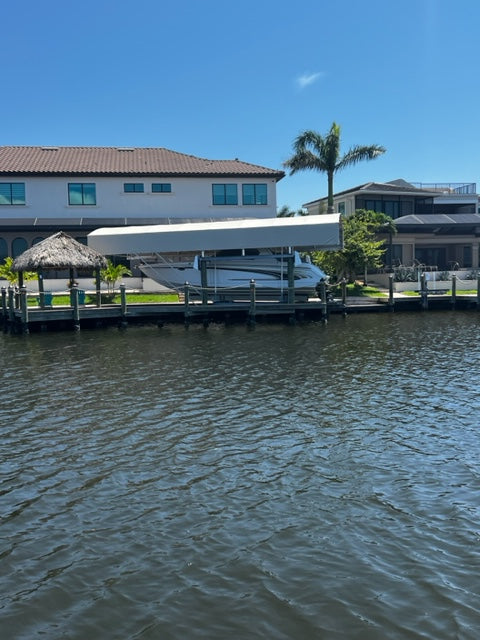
column 457, row 188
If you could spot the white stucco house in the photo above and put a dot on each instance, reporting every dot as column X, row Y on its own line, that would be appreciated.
column 78, row 189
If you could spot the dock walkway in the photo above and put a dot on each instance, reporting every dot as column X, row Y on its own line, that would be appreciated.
column 17, row 316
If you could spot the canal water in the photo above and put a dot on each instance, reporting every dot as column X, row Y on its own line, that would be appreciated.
column 282, row 482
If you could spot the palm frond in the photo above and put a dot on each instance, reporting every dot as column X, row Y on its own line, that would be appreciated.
column 359, row 153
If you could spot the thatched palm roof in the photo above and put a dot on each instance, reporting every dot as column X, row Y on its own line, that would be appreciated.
column 59, row 251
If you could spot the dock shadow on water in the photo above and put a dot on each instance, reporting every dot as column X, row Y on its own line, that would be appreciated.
column 316, row 481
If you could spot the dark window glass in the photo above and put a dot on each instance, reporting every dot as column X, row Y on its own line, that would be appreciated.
column 81, row 193
column 248, row 194
column 12, row 193
column 133, row 187
column 224, row 194
column 391, row 208
column 161, row 187
column 254, row 194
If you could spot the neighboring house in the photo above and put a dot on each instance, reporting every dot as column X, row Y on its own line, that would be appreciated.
column 438, row 225
column 78, row 189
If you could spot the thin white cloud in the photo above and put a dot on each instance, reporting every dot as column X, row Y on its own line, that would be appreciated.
column 306, row 79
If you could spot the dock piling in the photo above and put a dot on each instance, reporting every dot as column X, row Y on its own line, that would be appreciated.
column 253, row 304
column 11, row 305
column 24, row 309
column 391, row 299
column 123, row 306
column 76, row 307
column 186, row 304
column 424, row 291
column 291, row 279
column 323, row 298
column 454, row 291
column 4, row 309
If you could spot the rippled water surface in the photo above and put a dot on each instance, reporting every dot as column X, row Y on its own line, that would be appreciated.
column 308, row 482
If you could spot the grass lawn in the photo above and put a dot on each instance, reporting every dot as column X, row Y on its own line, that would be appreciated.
column 356, row 289
column 64, row 300
column 461, row 292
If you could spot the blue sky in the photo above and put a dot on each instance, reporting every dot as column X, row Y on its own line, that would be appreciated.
column 225, row 80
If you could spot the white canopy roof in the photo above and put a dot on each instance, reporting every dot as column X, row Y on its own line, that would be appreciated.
column 314, row 232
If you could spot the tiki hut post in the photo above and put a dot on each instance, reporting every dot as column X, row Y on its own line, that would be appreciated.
column 98, row 293
column 41, row 290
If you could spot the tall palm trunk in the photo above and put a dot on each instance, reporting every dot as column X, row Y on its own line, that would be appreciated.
column 330, row 208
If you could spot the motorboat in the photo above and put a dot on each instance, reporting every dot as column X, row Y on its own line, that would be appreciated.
column 228, row 274
column 224, row 257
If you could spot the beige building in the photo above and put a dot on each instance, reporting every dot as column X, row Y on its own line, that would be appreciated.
column 438, row 224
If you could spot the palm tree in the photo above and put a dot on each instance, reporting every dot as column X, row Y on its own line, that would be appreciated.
column 322, row 153
column 112, row 273
column 286, row 212
column 7, row 273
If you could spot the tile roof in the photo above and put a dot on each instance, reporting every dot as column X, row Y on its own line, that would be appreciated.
column 138, row 161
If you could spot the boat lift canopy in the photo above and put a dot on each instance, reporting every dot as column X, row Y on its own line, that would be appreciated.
column 321, row 232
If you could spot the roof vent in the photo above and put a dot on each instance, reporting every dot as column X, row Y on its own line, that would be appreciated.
column 49, row 148
column 125, row 149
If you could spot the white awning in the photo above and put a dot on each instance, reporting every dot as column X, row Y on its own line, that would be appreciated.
column 312, row 232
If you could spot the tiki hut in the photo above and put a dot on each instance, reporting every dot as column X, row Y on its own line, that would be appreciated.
column 59, row 251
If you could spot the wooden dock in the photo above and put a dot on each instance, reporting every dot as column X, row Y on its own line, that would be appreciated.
column 18, row 317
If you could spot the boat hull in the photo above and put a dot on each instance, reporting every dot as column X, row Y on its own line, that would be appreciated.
column 231, row 278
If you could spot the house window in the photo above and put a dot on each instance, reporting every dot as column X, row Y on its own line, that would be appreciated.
column 81, row 193
column 224, row 194
column 3, row 249
column 161, row 187
column 19, row 245
column 254, row 194
column 341, row 208
column 12, row 193
column 133, row 187
column 389, row 207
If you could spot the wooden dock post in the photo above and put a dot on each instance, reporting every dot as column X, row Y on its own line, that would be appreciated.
column 76, row 307
column 343, row 286
column 424, row 291
column 253, row 304
column 123, row 305
column 123, row 298
column 454, row 291
column 203, row 279
column 4, row 309
column 323, row 297
column 11, row 305
column 478, row 291
column 291, row 279
column 391, row 299
column 24, row 309
column 186, row 304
